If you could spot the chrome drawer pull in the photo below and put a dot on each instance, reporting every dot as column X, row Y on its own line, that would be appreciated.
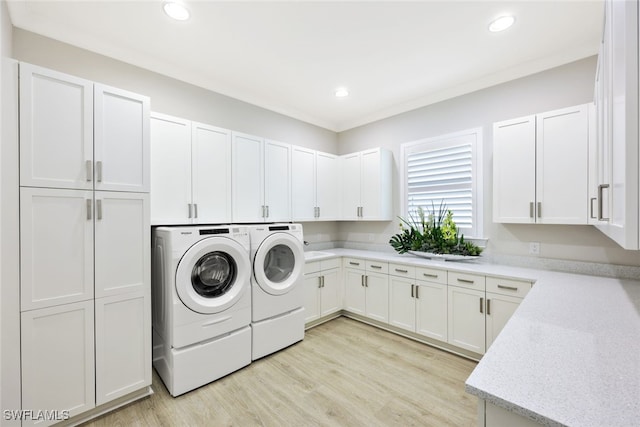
column 481, row 302
column 353, row 263
column 488, row 307
column 508, row 288
column 376, row 266
column 412, row 291
column 435, row 276
column 89, row 172
column 465, row 281
column 401, row 271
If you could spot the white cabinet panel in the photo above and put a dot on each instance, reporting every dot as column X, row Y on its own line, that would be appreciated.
column 500, row 308
column 122, row 237
column 354, row 298
column 514, row 170
column 56, row 129
column 312, row 283
column 211, row 174
column 331, row 295
column 466, row 324
column 431, row 310
column 277, row 181
column 366, row 185
column 377, row 296
column 350, row 165
column 56, row 246
column 121, row 140
column 328, row 186
column 247, row 178
column 58, row 358
column 123, row 345
column 170, row 170
column 402, row 305
column 303, row 184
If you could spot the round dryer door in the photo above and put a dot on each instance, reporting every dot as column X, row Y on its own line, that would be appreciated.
column 212, row 275
column 278, row 263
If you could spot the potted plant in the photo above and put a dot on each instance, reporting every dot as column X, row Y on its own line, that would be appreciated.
column 432, row 233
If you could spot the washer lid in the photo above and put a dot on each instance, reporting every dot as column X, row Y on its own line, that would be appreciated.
column 278, row 263
column 212, row 275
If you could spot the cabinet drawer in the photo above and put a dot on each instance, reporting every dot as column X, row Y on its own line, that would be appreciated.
column 311, row 267
column 330, row 263
column 377, row 266
column 431, row 275
column 402, row 270
column 354, row 263
column 466, row 280
column 516, row 288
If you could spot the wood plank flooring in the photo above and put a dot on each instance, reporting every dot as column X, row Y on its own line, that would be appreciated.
column 344, row 373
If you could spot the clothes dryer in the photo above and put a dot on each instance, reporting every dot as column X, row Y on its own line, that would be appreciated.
column 277, row 294
column 201, row 292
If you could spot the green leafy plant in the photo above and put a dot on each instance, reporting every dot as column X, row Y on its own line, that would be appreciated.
column 433, row 232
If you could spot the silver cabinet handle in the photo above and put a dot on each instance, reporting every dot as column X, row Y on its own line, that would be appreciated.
column 539, row 209
column 319, row 282
column 376, row 266
column 591, row 215
column 190, row 209
column 362, row 280
column 366, row 281
column 99, row 171
column 417, row 292
column 488, row 307
column 323, row 281
column 267, row 211
column 435, row 276
column 195, row 209
column 530, row 209
column 600, row 203
column 508, row 288
column 465, row 281
column 88, row 165
column 401, row 271
column 263, row 211
column 412, row 291
column 99, row 209
column 353, row 263
column 88, row 209
column 481, row 303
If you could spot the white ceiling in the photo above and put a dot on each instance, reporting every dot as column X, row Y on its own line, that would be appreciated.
column 289, row 56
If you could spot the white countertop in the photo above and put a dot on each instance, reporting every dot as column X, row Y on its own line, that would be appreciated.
column 570, row 355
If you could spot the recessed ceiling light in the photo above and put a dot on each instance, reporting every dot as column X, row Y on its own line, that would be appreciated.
column 176, row 10
column 341, row 92
column 501, row 23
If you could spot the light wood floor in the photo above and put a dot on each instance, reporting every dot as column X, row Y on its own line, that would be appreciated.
column 344, row 373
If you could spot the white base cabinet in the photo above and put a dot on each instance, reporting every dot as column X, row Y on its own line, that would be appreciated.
column 323, row 289
column 367, row 288
column 58, row 365
column 466, row 319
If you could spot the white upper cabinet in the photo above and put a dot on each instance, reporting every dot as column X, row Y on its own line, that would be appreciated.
column 366, row 185
column 56, row 129
column 315, row 190
column 617, row 111
column 74, row 134
column 121, row 140
column 190, row 172
column 261, row 179
column 540, row 168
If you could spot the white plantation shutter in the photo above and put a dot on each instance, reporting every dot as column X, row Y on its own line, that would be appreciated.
column 443, row 170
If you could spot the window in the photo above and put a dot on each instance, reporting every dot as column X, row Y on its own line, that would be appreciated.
column 445, row 169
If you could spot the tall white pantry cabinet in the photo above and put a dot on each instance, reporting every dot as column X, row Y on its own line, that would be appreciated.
column 84, row 242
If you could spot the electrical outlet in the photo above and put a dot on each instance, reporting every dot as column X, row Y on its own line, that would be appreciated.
column 534, row 248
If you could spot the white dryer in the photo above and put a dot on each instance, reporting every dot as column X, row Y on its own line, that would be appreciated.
column 277, row 294
column 201, row 292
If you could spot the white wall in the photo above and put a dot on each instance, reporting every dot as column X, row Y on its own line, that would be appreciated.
column 564, row 86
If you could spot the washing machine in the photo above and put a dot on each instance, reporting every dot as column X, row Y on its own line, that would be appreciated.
column 201, row 293
column 277, row 294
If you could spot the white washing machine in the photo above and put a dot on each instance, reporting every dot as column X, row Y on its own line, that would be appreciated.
column 277, row 294
column 201, row 292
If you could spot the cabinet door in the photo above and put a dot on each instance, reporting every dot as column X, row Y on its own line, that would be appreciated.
column 247, row 185
column 377, row 296
column 122, row 243
column 466, row 328
column 402, row 303
column 303, row 184
column 123, row 345
column 500, row 308
column 350, row 165
column 56, row 129
column 354, row 298
column 56, row 247
column 121, row 140
column 330, row 295
column 328, row 188
column 312, row 283
column 375, row 187
column 211, row 174
column 431, row 310
column 170, row 170
column 277, row 181
column 562, row 149
column 514, row 173
column 58, row 359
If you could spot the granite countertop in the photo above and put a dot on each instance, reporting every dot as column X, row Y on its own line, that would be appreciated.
column 570, row 355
